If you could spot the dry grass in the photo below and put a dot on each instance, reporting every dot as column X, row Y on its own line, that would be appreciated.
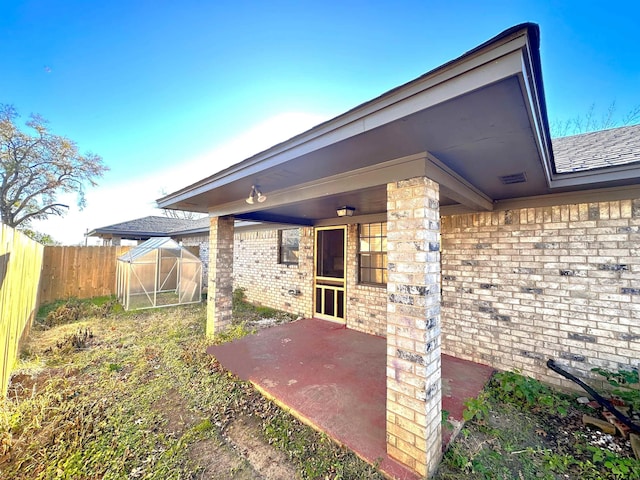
column 134, row 395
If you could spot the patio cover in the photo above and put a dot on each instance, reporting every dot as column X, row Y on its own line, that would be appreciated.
column 476, row 125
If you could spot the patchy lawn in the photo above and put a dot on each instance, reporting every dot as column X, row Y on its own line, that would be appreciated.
column 102, row 393
column 133, row 395
column 519, row 428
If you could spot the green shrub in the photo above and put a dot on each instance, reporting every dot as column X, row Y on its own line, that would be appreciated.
column 626, row 383
column 239, row 301
column 477, row 408
column 527, row 392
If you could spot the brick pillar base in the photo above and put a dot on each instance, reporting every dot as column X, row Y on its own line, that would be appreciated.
column 414, row 393
column 220, row 286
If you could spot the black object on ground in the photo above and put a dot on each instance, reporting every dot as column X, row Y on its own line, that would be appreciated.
column 600, row 399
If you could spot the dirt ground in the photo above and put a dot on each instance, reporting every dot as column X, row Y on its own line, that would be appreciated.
column 241, row 453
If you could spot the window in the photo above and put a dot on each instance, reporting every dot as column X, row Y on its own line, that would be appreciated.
column 372, row 253
column 288, row 246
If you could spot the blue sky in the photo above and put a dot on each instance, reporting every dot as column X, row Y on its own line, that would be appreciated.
column 151, row 85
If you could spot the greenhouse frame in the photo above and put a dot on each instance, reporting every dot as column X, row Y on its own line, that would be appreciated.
column 158, row 273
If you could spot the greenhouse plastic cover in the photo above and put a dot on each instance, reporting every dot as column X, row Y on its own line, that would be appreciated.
column 151, row 245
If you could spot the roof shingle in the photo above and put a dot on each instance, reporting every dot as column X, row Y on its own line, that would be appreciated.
column 590, row 151
column 153, row 226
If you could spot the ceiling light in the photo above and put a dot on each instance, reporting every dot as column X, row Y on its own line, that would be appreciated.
column 255, row 194
column 345, row 211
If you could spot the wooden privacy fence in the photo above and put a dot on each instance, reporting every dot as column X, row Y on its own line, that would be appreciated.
column 78, row 272
column 81, row 272
column 31, row 274
column 20, row 267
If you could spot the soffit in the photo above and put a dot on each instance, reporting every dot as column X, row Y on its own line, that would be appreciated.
column 482, row 123
column 480, row 136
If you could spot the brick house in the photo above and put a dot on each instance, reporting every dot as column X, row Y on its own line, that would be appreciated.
column 466, row 232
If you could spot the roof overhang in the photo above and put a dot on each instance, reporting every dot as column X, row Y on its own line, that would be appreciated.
column 125, row 234
column 619, row 175
column 468, row 125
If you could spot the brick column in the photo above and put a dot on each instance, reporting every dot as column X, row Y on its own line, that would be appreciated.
column 220, row 286
column 414, row 393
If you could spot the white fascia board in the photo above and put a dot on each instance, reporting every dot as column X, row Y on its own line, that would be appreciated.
column 554, row 199
column 406, row 167
column 528, row 85
column 422, row 164
column 479, row 70
column 623, row 173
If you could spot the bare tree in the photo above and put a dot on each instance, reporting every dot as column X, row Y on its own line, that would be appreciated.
column 181, row 214
column 36, row 166
column 592, row 122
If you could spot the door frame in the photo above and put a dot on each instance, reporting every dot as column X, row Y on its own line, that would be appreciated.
column 334, row 284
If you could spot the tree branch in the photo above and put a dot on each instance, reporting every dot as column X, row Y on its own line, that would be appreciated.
column 34, row 167
column 55, row 209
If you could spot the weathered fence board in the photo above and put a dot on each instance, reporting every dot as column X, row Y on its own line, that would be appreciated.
column 31, row 274
column 81, row 272
column 78, row 272
column 20, row 267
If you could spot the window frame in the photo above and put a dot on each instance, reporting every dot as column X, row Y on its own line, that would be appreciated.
column 284, row 248
column 382, row 252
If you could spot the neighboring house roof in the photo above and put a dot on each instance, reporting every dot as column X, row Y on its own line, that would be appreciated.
column 594, row 150
column 152, row 226
column 198, row 225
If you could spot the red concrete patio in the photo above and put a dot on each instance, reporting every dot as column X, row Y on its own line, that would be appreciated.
column 334, row 379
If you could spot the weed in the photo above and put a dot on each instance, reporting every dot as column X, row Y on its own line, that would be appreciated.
column 457, row 458
column 203, row 426
column 234, row 332
column 81, row 339
column 243, row 311
column 558, row 463
column 266, row 312
column 84, row 421
column 72, row 310
column 626, row 385
column 526, row 392
column 445, row 420
column 68, row 312
column 477, row 408
column 618, row 467
column 239, row 301
column 315, row 453
column 114, row 367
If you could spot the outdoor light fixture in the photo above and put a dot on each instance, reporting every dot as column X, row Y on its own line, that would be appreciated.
column 345, row 211
column 255, row 194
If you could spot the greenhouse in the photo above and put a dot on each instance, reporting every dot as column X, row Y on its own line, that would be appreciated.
column 158, row 273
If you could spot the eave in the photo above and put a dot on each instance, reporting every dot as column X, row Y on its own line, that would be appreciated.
column 462, row 123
